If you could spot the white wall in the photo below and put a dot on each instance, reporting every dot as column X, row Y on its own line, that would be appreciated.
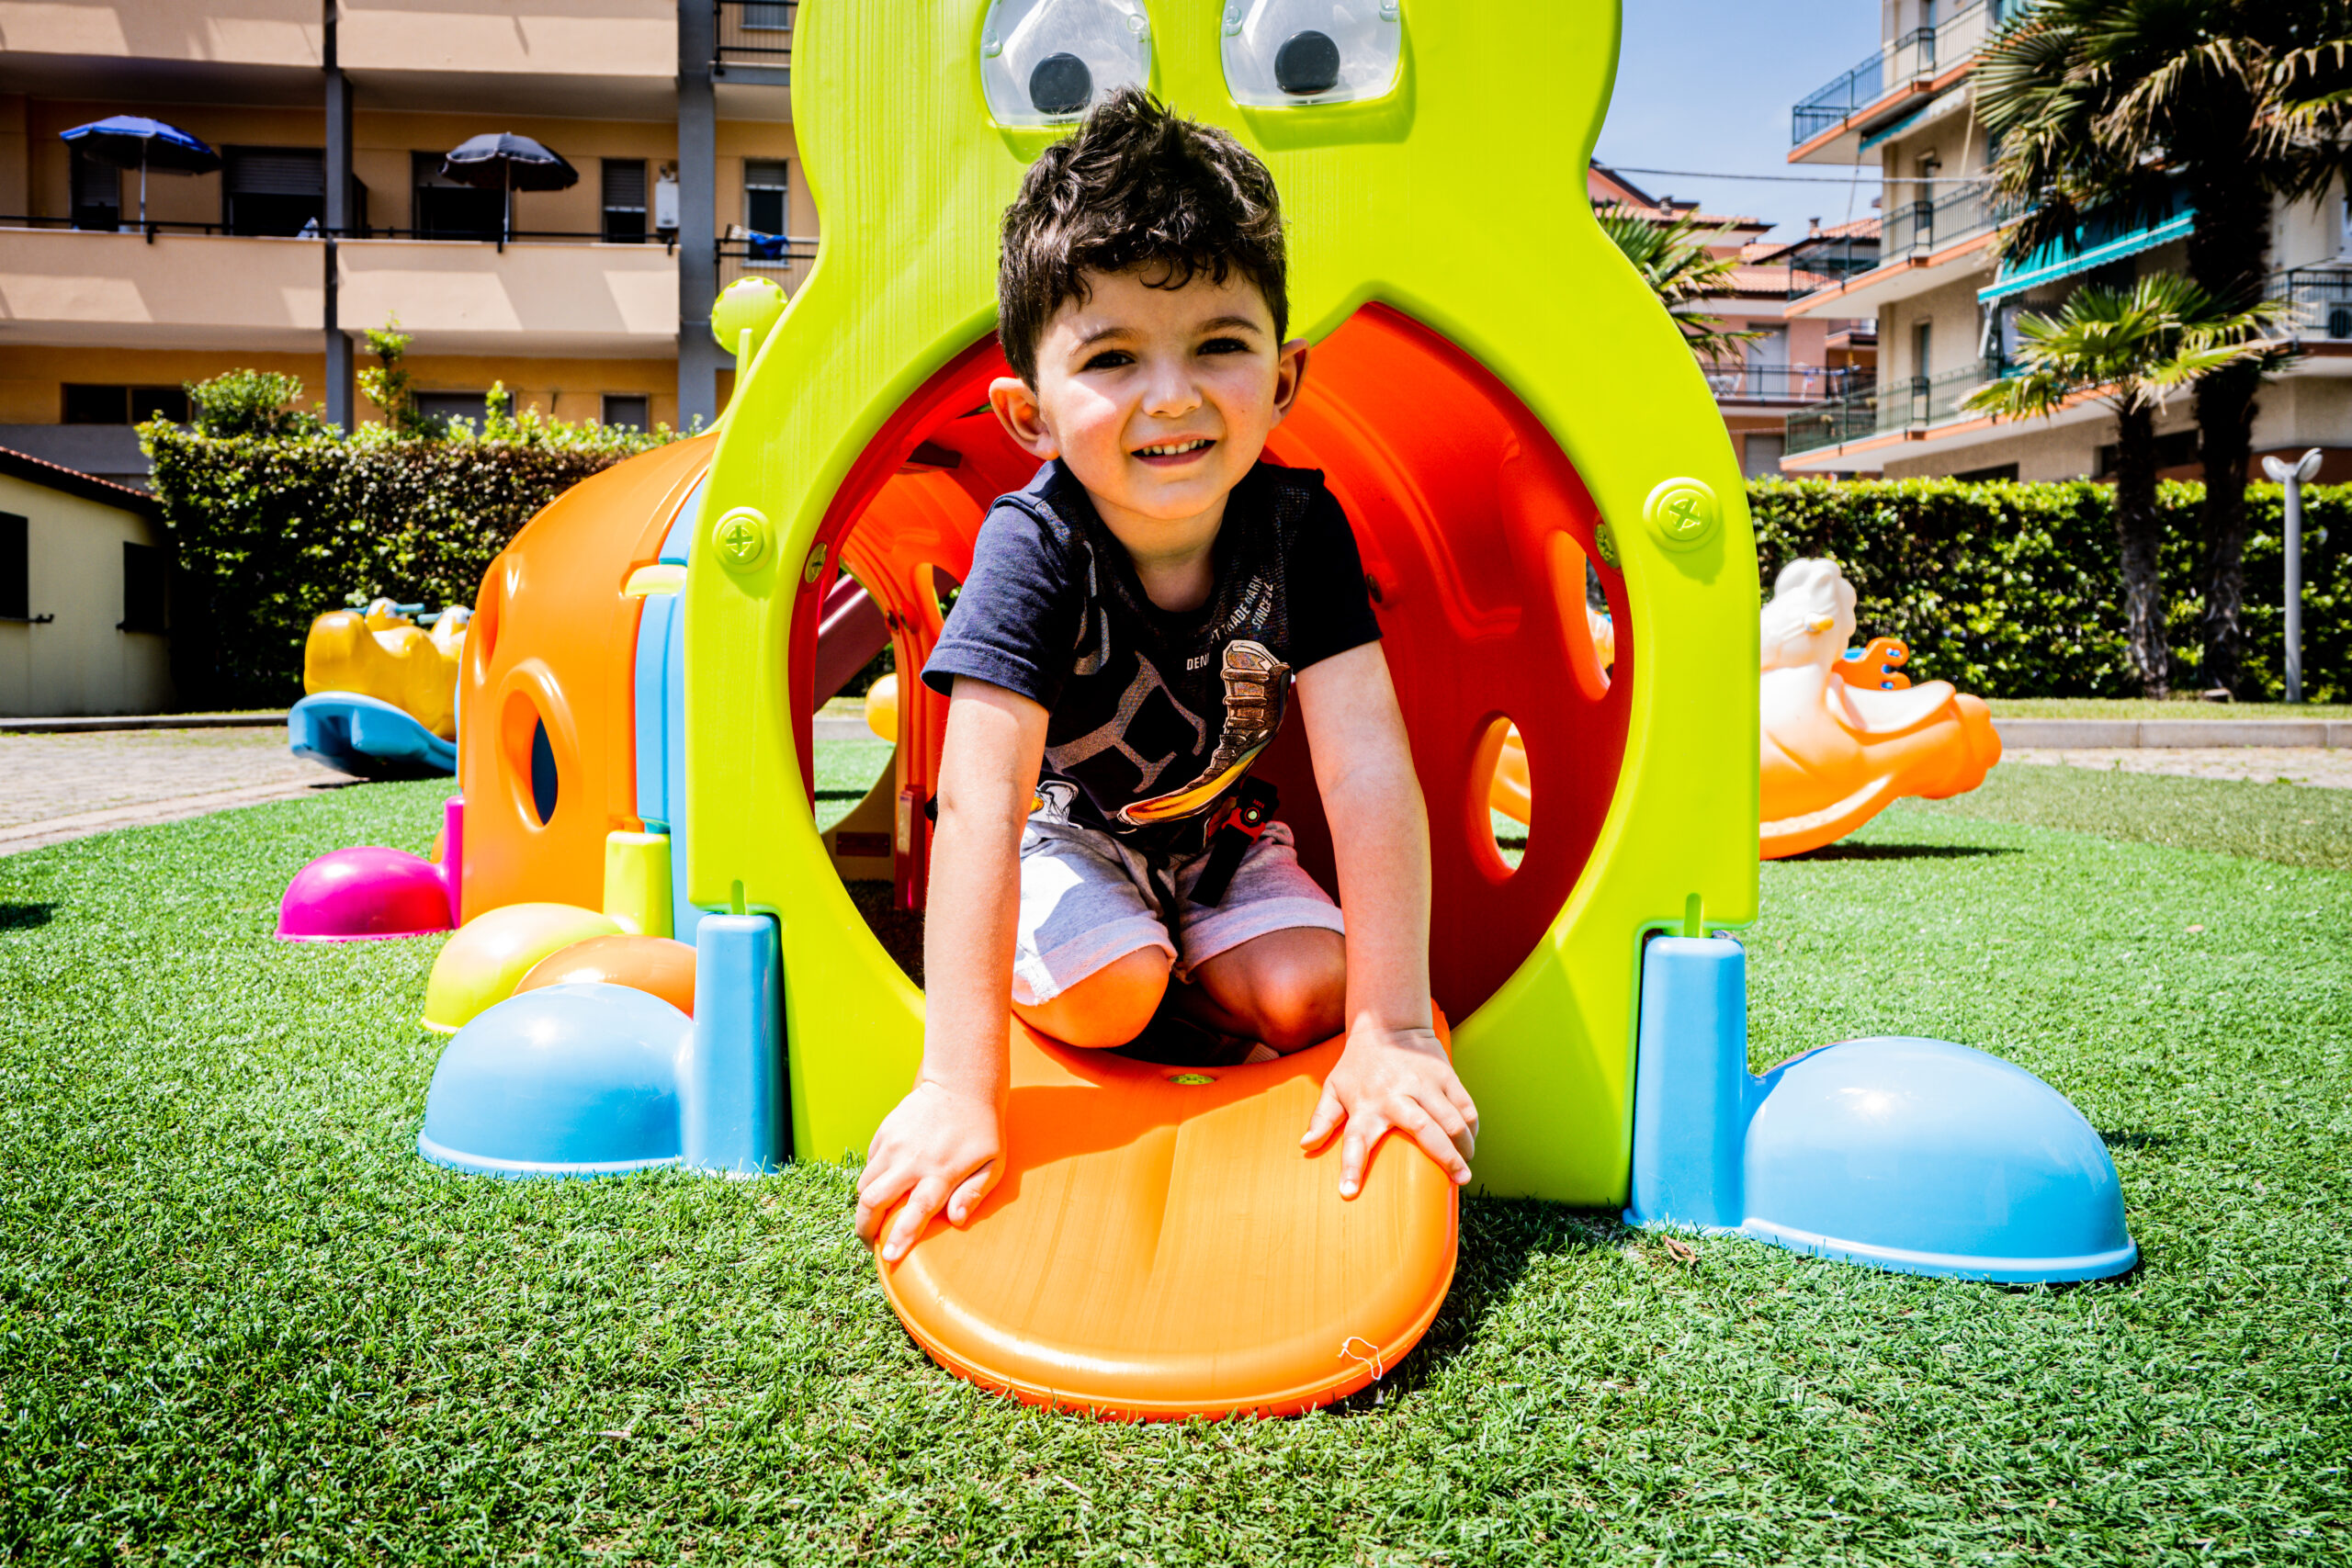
column 78, row 662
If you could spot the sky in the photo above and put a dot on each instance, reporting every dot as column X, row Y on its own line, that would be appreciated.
column 1707, row 85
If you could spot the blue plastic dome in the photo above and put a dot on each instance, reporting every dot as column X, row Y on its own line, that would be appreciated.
column 1930, row 1157
column 567, row 1080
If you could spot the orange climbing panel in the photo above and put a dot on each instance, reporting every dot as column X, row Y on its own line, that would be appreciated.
column 1161, row 1247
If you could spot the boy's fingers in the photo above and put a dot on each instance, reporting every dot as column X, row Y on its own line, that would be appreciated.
column 1327, row 1115
column 968, row 1197
column 922, row 1205
column 1434, row 1143
column 877, row 1188
column 1363, row 1131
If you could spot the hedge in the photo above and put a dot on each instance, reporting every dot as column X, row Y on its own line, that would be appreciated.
column 2003, row 589
column 2011, row 590
column 270, row 532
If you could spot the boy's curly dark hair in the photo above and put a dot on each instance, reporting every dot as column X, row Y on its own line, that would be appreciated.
column 1138, row 186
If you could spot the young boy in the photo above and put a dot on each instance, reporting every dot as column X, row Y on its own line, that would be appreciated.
column 1123, row 651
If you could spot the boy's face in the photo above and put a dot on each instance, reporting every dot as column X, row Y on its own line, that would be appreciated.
column 1160, row 400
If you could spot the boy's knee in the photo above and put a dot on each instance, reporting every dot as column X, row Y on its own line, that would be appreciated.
column 1109, row 1006
column 1300, row 995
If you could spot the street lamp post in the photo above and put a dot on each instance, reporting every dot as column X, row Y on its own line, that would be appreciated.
column 2294, row 476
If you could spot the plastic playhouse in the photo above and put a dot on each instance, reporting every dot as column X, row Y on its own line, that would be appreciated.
column 1497, row 401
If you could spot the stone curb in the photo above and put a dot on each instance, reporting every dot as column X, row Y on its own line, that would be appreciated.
column 145, row 721
column 2103, row 733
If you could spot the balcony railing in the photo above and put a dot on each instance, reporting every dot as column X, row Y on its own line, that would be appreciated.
column 1919, row 52
column 1901, row 404
column 1923, row 225
column 1781, row 383
column 755, row 32
column 781, row 259
column 2321, row 299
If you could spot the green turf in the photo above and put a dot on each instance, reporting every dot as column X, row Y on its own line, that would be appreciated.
column 2187, row 705
column 241, row 1322
column 2288, row 823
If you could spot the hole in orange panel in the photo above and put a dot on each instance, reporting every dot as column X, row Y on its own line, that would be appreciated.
column 1500, row 800
column 528, row 755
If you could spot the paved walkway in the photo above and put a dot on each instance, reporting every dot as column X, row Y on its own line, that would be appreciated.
column 55, row 787
column 2325, row 768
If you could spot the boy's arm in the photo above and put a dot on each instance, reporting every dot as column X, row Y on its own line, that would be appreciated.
column 1393, row 1073
column 940, row 1147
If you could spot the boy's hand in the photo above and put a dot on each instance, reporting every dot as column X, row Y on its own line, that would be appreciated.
column 937, row 1149
column 1396, row 1078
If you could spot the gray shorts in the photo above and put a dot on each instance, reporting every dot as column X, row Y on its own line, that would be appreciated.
column 1086, row 901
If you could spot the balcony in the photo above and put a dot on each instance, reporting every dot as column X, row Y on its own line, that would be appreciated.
column 538, row 298
column 1933, row 225
column 754, row 39
column 159, row 288
column 1891, row 81
column 783, row 261
column 1912, row 403
column 1781, row 383
column 2321, row 299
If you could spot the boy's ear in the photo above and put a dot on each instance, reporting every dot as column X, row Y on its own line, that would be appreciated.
column 1290, row 374
column 1015, row 402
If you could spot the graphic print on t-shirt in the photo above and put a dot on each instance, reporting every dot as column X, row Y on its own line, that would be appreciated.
column 1155, row 715
column 1256, row 684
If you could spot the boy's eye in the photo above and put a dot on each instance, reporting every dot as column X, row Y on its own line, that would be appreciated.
column 1046, row 62
column 1108, row 359
column 1281, row 52
column 1225, row 345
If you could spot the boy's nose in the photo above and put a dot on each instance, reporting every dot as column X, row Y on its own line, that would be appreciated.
column 1170, row 391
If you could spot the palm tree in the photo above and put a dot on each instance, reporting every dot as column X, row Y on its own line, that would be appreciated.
column 1678, row 263
column 2130, row 349
column 2111, row 106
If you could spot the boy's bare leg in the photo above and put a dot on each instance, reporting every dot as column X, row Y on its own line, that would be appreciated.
column 1109, row 1006
column 1288, row 988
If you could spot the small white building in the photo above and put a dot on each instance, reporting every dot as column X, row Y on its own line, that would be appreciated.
column 85, row 601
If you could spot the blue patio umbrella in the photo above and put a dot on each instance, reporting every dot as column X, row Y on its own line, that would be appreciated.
column 134, row 141
column 506, row 163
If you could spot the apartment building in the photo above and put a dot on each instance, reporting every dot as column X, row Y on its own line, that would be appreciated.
column 1947, row 310
column 329, row 212
column 1783, row 363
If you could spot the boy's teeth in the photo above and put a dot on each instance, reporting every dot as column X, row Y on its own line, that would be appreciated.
column 1173, row 448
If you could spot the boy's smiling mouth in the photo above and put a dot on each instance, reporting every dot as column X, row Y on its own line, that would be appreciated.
column 1169, row 453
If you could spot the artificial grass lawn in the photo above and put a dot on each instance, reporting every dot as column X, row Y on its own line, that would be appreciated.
column 243, row 1322
column 2185, row 705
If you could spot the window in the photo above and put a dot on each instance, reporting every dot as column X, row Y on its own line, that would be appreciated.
column 1923, row 346
column 98, row 192
column 272, row 190
column 764, row 189
column 16, row 570
column 1760, row 455
column 624, row 200
column 87, row 404
column 632, row 410
column 146, row 576
column 444, row 210
column 474, row 406
column 2178, row 450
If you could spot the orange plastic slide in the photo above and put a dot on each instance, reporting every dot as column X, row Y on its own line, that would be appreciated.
column 1222, row 1273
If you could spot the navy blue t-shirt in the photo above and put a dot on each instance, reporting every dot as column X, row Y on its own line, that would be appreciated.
column 1156, row 715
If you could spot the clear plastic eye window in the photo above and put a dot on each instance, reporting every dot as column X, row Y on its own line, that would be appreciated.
column 1046, row 62
column 1311, row 52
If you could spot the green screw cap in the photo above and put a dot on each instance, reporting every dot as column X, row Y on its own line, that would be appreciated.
column 1683, row 513
column 1604, row 542
column 742, row 538
column 814, row 567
